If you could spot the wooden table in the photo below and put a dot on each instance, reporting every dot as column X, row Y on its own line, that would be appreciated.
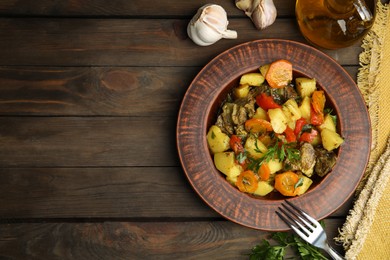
column 89, row 97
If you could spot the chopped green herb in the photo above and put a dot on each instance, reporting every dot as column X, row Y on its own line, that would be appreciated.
column 279, row 151
column 334, row 118
column 307, row 128
column 213, row 135
column 241, row 157
column 266, row 251
column 299, row 183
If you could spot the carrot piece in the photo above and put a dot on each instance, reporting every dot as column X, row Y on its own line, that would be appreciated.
column 318, row 101
column 279, row 74
column 285, row 183
column 258, row 125
column 264, row 172
column 247, row 181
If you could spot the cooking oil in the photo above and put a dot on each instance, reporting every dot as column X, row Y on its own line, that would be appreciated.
column 333, row 24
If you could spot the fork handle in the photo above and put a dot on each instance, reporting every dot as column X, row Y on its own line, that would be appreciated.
column 333, row 253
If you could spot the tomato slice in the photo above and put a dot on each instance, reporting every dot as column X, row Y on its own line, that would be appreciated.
column 285, row 183
column 236, row 144
column 247, row 182
column 308, row 137
column 290, row 135
column 264, row 172
column 279, row 74
column 266, row 102
column 258, row 125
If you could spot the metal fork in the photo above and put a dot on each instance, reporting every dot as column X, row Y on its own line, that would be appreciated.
column 306, row 227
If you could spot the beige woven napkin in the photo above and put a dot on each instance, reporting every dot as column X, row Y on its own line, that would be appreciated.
column 366, row 232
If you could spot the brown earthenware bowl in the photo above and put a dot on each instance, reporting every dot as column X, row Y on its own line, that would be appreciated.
column 199, row 111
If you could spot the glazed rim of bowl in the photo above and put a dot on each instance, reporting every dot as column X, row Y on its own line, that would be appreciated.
column 212, row 84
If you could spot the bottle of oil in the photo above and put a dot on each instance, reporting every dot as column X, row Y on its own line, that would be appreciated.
column 333, row 24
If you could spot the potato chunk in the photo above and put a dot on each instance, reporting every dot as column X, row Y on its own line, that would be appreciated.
column 252, row 79
column 263, row 188
column 260, row 114
column 278, row 120
column 305, row 86
column 306, row 182
column 225, row 163
column 328, row 123
column 217, row 140
column 241, row 91
column 330, row 139
column 255, row 147
column 264, row 69
column 292, row 112
column 305, row 108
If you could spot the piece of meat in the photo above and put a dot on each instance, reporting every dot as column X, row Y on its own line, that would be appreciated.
column 324, row 162
column 308, row 159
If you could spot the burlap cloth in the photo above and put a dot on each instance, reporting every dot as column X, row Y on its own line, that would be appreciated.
column 366, row 232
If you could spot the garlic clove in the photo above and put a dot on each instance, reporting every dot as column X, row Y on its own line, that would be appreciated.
column 262, row 12
column 209, row 25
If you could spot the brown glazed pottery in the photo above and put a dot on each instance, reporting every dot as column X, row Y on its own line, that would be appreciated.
column 199, row 109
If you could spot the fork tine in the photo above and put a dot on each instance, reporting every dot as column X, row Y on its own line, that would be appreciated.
column 298, row 214
column 291, row 225
column 307, row 216
column 294, row 223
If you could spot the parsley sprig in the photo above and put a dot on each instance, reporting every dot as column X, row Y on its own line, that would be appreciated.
column 266, row 251
column 279, row 150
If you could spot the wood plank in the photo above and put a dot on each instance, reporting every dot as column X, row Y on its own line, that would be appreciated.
column 130, row 193
column 134, row 240
column 96, row 91
column 103, row 8
column 87, row 141
column 127, row 193
column 83, row 91
column 128, row 42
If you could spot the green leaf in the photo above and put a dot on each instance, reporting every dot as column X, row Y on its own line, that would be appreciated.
column 299, row 183
column 241, row 157
column 266, row 251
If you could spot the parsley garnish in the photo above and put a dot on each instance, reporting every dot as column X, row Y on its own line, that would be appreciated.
column 241, row 157
column 266, row 251
column 299, row 183
column 280, row 151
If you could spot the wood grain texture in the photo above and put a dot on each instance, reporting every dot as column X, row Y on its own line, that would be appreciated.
column 126, row 193
column 89, row 96
column 133, row 240
column 133, row 42
column 91, row 91
column 87, row 141
column 96, row 91
column 103, row 8
column 103, row 193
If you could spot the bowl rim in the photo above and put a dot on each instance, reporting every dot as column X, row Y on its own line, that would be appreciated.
column 191, row 134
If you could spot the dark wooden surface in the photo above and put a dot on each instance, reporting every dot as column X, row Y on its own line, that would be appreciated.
column 89, row 96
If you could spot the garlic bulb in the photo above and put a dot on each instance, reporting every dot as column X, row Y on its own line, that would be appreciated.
column 262, row 12
column 209, row 25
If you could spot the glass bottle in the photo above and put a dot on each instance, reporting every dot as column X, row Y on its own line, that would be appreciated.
column 333, row 24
